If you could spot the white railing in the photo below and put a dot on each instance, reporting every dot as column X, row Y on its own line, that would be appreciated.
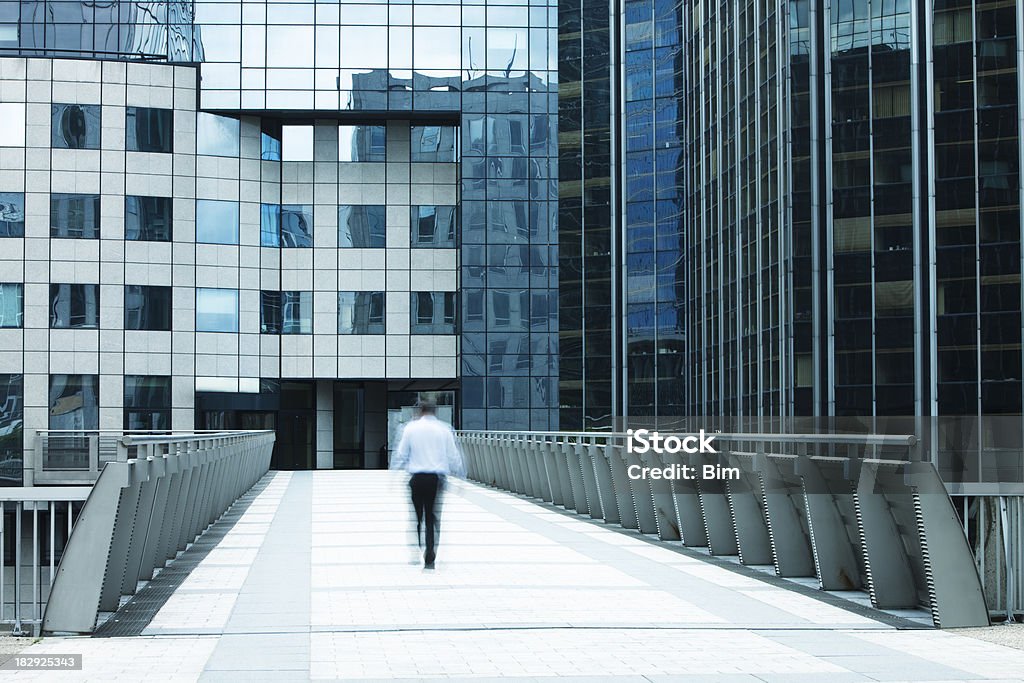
column 858, row 512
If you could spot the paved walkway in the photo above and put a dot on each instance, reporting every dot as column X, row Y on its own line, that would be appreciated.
column 316, row 581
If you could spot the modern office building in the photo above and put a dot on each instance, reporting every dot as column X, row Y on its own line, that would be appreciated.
column 797, row 209
column 290, row 216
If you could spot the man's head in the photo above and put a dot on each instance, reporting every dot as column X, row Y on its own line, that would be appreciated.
column 427, row 407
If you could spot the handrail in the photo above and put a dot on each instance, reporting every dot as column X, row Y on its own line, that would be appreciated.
column 858, row 439
column 138, row 440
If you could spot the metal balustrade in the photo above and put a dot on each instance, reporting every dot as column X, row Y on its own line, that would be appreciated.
column 151, row 501
column 68, row 457
column 859, row 512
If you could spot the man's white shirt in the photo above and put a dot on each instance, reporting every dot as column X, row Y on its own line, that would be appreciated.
column 428, row 445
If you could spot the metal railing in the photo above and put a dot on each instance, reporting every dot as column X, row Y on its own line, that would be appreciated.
column 858, row 512
column 73, row 552
column 67, row 457
column 35, row 523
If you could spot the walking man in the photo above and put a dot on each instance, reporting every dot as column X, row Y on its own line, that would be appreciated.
column 427, row 451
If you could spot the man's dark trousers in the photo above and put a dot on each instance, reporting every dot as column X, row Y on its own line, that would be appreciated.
column 426, row 490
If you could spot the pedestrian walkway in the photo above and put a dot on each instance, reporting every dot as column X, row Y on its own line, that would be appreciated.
column 317, row 580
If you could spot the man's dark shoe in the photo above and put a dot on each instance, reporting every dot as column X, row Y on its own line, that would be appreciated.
column 428, row 561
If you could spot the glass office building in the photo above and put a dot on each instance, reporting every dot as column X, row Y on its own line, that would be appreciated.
column 336, row 206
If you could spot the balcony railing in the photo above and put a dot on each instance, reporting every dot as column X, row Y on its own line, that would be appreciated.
column 858, row 512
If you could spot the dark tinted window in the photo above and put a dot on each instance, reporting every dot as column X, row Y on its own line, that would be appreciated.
column 147, row 307
column 75, row 215
column 433, row 143
column 362, row 227
column 74, row 306
column 433, row 226
column 11, row 418
column 74, row 402
column 360, row 312
column 286, row 312
column 75, row 126
column 148, row 219
column 432, row 313
column 147, row 402
column 12, row 214
column 296, row 225
column 149, row 130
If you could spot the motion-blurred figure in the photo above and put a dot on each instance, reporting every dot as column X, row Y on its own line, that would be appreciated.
column 427, row 451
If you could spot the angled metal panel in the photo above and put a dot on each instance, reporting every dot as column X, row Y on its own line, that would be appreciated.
column 641, row 493
column 890, row 579
column 554, row 471
column 686, row 500
column 124, row 525
column 715, row 511
column 605, row 487
column 835, row 550
column 663, row 499
column 954, row 586
column 74, row 598
column 746, row 505
column 783, row 504
column 589, row 481
column 579, row 495
column 623, row 492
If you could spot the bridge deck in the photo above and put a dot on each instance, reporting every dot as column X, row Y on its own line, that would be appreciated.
column 312, row 578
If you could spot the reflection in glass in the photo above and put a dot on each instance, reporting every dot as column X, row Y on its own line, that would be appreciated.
column 147, row 307
column 296, row 143
column 11, row 425
column 12, row 214
column 270, row 142
column 432, row 312
column 74, row 402
column 362, row 143
column 296, row 225
column 360, row 312
column 75, row 215
column 75, row 126
column 216, row 135
column 147, row 218
column 74, row 306
column 362, row 226
column 286, row 312
column 12, row 304
column 434, row 143
column 147, row 402
column 216, row 221
column 12, row 132
column 216, row 310
column 149, row 130
column 433, row 226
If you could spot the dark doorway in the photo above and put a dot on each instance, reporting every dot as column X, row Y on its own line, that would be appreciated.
column 296, row 428
column 349, row 434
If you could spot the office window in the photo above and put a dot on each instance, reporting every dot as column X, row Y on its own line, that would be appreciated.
column 433, row 226
column 147, row 308
column 12, row 401
column 216, row 135
column 296, row 143
column 216, row 221
column 362, row 226
column 433, row 143
column 75, row 126
column 270, row 141
column 360, row 312
column 12, row 214
column 12, row 306
column 432, row 312
column 74, row 402
column 12, row 132
column 149, row 130
column 74, row 306
column 148, row 219
column 290, row 225
column 75, row 216
column 362, row 143
column 286, row 312
column 147, row 402
column 216, row 310
column 296, row 225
